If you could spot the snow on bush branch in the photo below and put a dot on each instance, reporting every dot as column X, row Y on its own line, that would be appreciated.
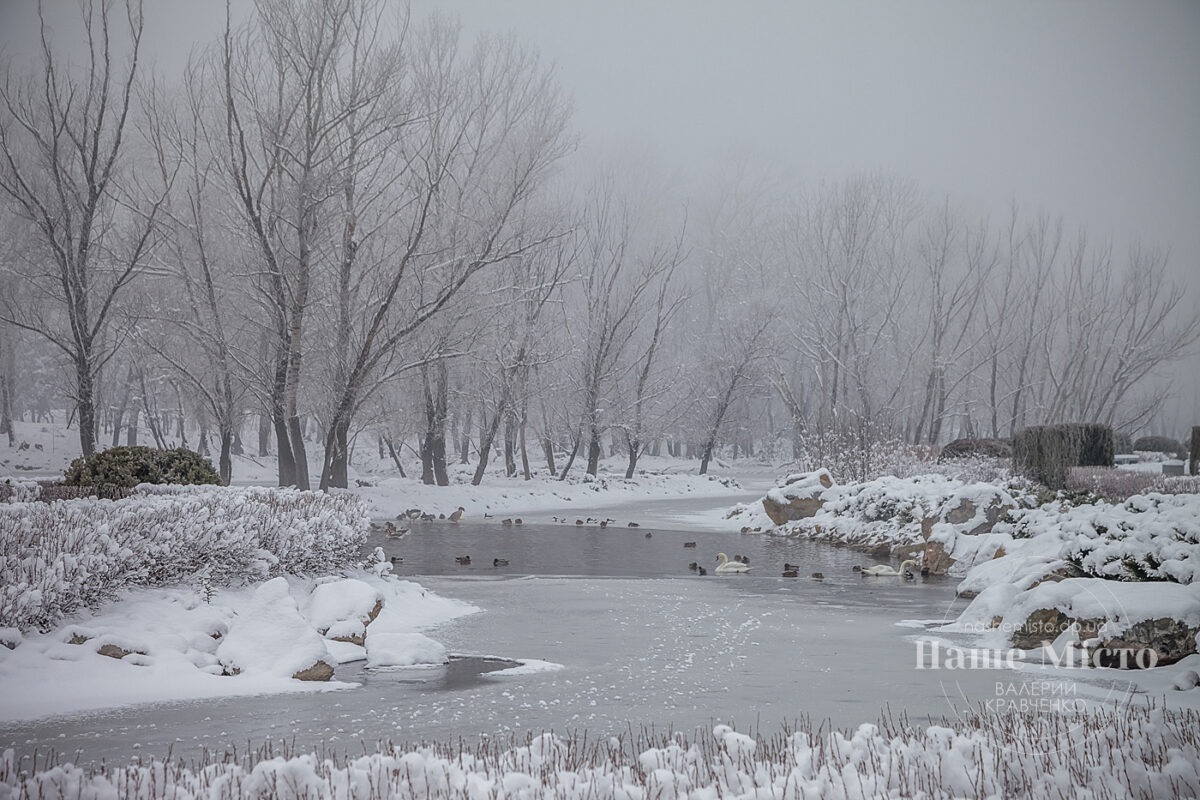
column 57, row 557
column 1118, row 754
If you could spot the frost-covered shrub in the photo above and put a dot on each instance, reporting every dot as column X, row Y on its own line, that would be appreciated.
column 1118, row 485
column 1159, row 444
column 16, row 490
column 862, row 455
column 56, row 557
column 1134, row 750
column 130, row 466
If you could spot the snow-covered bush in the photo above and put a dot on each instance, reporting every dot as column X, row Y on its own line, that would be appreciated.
column 57, row 557
column 1148, row 537
column 1129, row 752
column 1118, row 485
column 130, row 466
column 16, row 490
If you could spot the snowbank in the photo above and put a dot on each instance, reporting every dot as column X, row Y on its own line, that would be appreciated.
column 182, row 644
column 1124, row 754
column 58, row 557
column 390, row 497
column 271, row 636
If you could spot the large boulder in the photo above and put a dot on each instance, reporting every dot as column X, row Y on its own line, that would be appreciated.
column 1044, row 625
column 1122, row 624
column 973, row 510
column 798, row 498
column 1170, row 639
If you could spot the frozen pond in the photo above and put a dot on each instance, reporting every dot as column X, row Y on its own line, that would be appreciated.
column 641, row 640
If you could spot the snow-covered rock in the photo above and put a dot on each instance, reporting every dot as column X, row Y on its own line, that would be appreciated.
column 397, row 649
column 271, row 636
column 342, row 609
column 937, row 518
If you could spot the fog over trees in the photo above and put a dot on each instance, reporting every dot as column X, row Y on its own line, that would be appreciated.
column 344, row 227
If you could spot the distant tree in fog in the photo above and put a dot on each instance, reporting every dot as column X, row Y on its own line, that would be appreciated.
column 65, row 170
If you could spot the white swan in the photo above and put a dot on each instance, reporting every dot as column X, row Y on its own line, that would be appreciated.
column 886, row 571
column 726, row 566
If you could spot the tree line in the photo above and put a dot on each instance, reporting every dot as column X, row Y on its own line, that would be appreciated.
column 343, row 226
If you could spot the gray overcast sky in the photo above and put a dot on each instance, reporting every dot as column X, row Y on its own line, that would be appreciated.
column 1089, row 109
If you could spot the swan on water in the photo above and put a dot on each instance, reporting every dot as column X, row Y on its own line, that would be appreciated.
column 886, row 571
column 726, row 566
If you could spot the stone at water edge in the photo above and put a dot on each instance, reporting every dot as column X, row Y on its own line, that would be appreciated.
column 934, row 555
column 1170, row 639
column 317, row 672
column 342, row 609
column 798, row 498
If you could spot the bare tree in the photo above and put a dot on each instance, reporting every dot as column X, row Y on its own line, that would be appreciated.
column 63, row 154
column 490, row 129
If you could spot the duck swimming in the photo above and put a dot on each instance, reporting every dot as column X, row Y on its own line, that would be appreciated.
column 725, row 566
column 886, row 571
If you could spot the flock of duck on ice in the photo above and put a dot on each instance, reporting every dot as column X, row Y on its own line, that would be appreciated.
column 738, row 565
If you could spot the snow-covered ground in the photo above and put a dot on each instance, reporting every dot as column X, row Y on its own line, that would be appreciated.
column 181, row 644
column 44, row 451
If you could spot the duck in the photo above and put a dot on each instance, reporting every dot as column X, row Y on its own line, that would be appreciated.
column 506, row 522
column 603, row 523
column 397, row 560
column 693, row 566
column 499, row 562
column 742, row 559
column 787, row 566
column 649, row 535
column 886, row 571
column 428, row 517
column 701, row 571
column 456, row 515
column 689, row 544
column 634, row 525
column 818, row 576
column 791, row 573
column 517, row 521
column 578, row 522
column 464, row 560
column 725, row 566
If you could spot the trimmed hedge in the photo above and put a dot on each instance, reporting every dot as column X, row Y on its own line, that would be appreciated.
column 1160, row 444
column 129, row 466
column 1046, row 453
column 1096, row 445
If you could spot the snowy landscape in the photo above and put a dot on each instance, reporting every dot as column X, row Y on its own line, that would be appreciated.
column 418, row 400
